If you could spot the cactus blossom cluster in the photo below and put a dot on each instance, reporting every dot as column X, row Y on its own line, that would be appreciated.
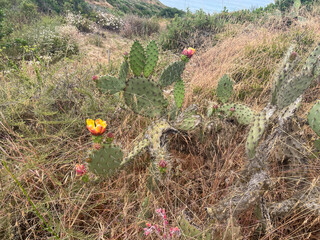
column 163, row 232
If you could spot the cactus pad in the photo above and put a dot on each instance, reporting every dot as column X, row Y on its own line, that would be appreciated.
column 192, row 232
column 137, row 58
column 314, row 118
column 152, row 58
column 123, row 73
column 106, row 161
column 145, row 97
column 292, row 89
column 255, row 133
column 225, row 88
column 110, row 84
column 178, row 93
column 243, row 114
column 172, row 73
column 188, row 120
column 137, row 149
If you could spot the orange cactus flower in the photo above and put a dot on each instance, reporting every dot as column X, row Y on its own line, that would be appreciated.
column 97, row 127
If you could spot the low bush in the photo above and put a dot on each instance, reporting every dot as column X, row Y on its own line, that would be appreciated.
column 137, row 26
column 43, row 38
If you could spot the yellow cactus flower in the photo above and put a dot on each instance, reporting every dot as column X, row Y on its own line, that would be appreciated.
column 97, row 127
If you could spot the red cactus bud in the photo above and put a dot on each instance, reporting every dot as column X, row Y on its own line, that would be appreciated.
column 110, row 135
column 95, row 77
column 215, row 106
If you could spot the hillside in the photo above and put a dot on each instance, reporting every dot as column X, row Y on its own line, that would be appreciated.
column 225, row 138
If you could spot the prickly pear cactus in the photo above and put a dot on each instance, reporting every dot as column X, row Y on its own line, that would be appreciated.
column 291, row 90
column 225, row 88
column 255, row 133
column 124, row 70
column 178, row 93
column 145, row 97
column 293, row 87
column 190, row 231
column 106, row 161
column 172, row 73
column 152, row 58
column 314, row 118
column 137, row 58
column 243, row 114
column 110, row 84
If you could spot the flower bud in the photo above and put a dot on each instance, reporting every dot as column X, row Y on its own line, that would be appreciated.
column 95, row 77
column 80, row 169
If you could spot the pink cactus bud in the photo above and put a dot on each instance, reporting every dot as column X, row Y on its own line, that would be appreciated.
column 95, row 78
column 80, row 169
column 126, row 54
column 215, row 106
column 232, row 109
column 163, row 164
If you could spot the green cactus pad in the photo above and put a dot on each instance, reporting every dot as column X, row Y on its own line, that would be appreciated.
column 178, row 93
column 110, row 84
column 145, row 97
column 172, row 73
column 106, row 161
column 152, row 58
column 137, row 58
column 243, row 114
column 225, row 88
column 190, row 231
column 314, row 118
column 255, row 133
column 124, row 70
column 292, row 89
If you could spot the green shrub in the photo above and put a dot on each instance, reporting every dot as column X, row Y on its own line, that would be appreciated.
column 171, row 12
column 42, row 38
column 137, row 26
column 182, row 31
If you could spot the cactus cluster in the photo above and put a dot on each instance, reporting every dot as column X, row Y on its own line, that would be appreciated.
column 145, row 97
column 141, row 94
column 292, row 85
column 242, row 113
